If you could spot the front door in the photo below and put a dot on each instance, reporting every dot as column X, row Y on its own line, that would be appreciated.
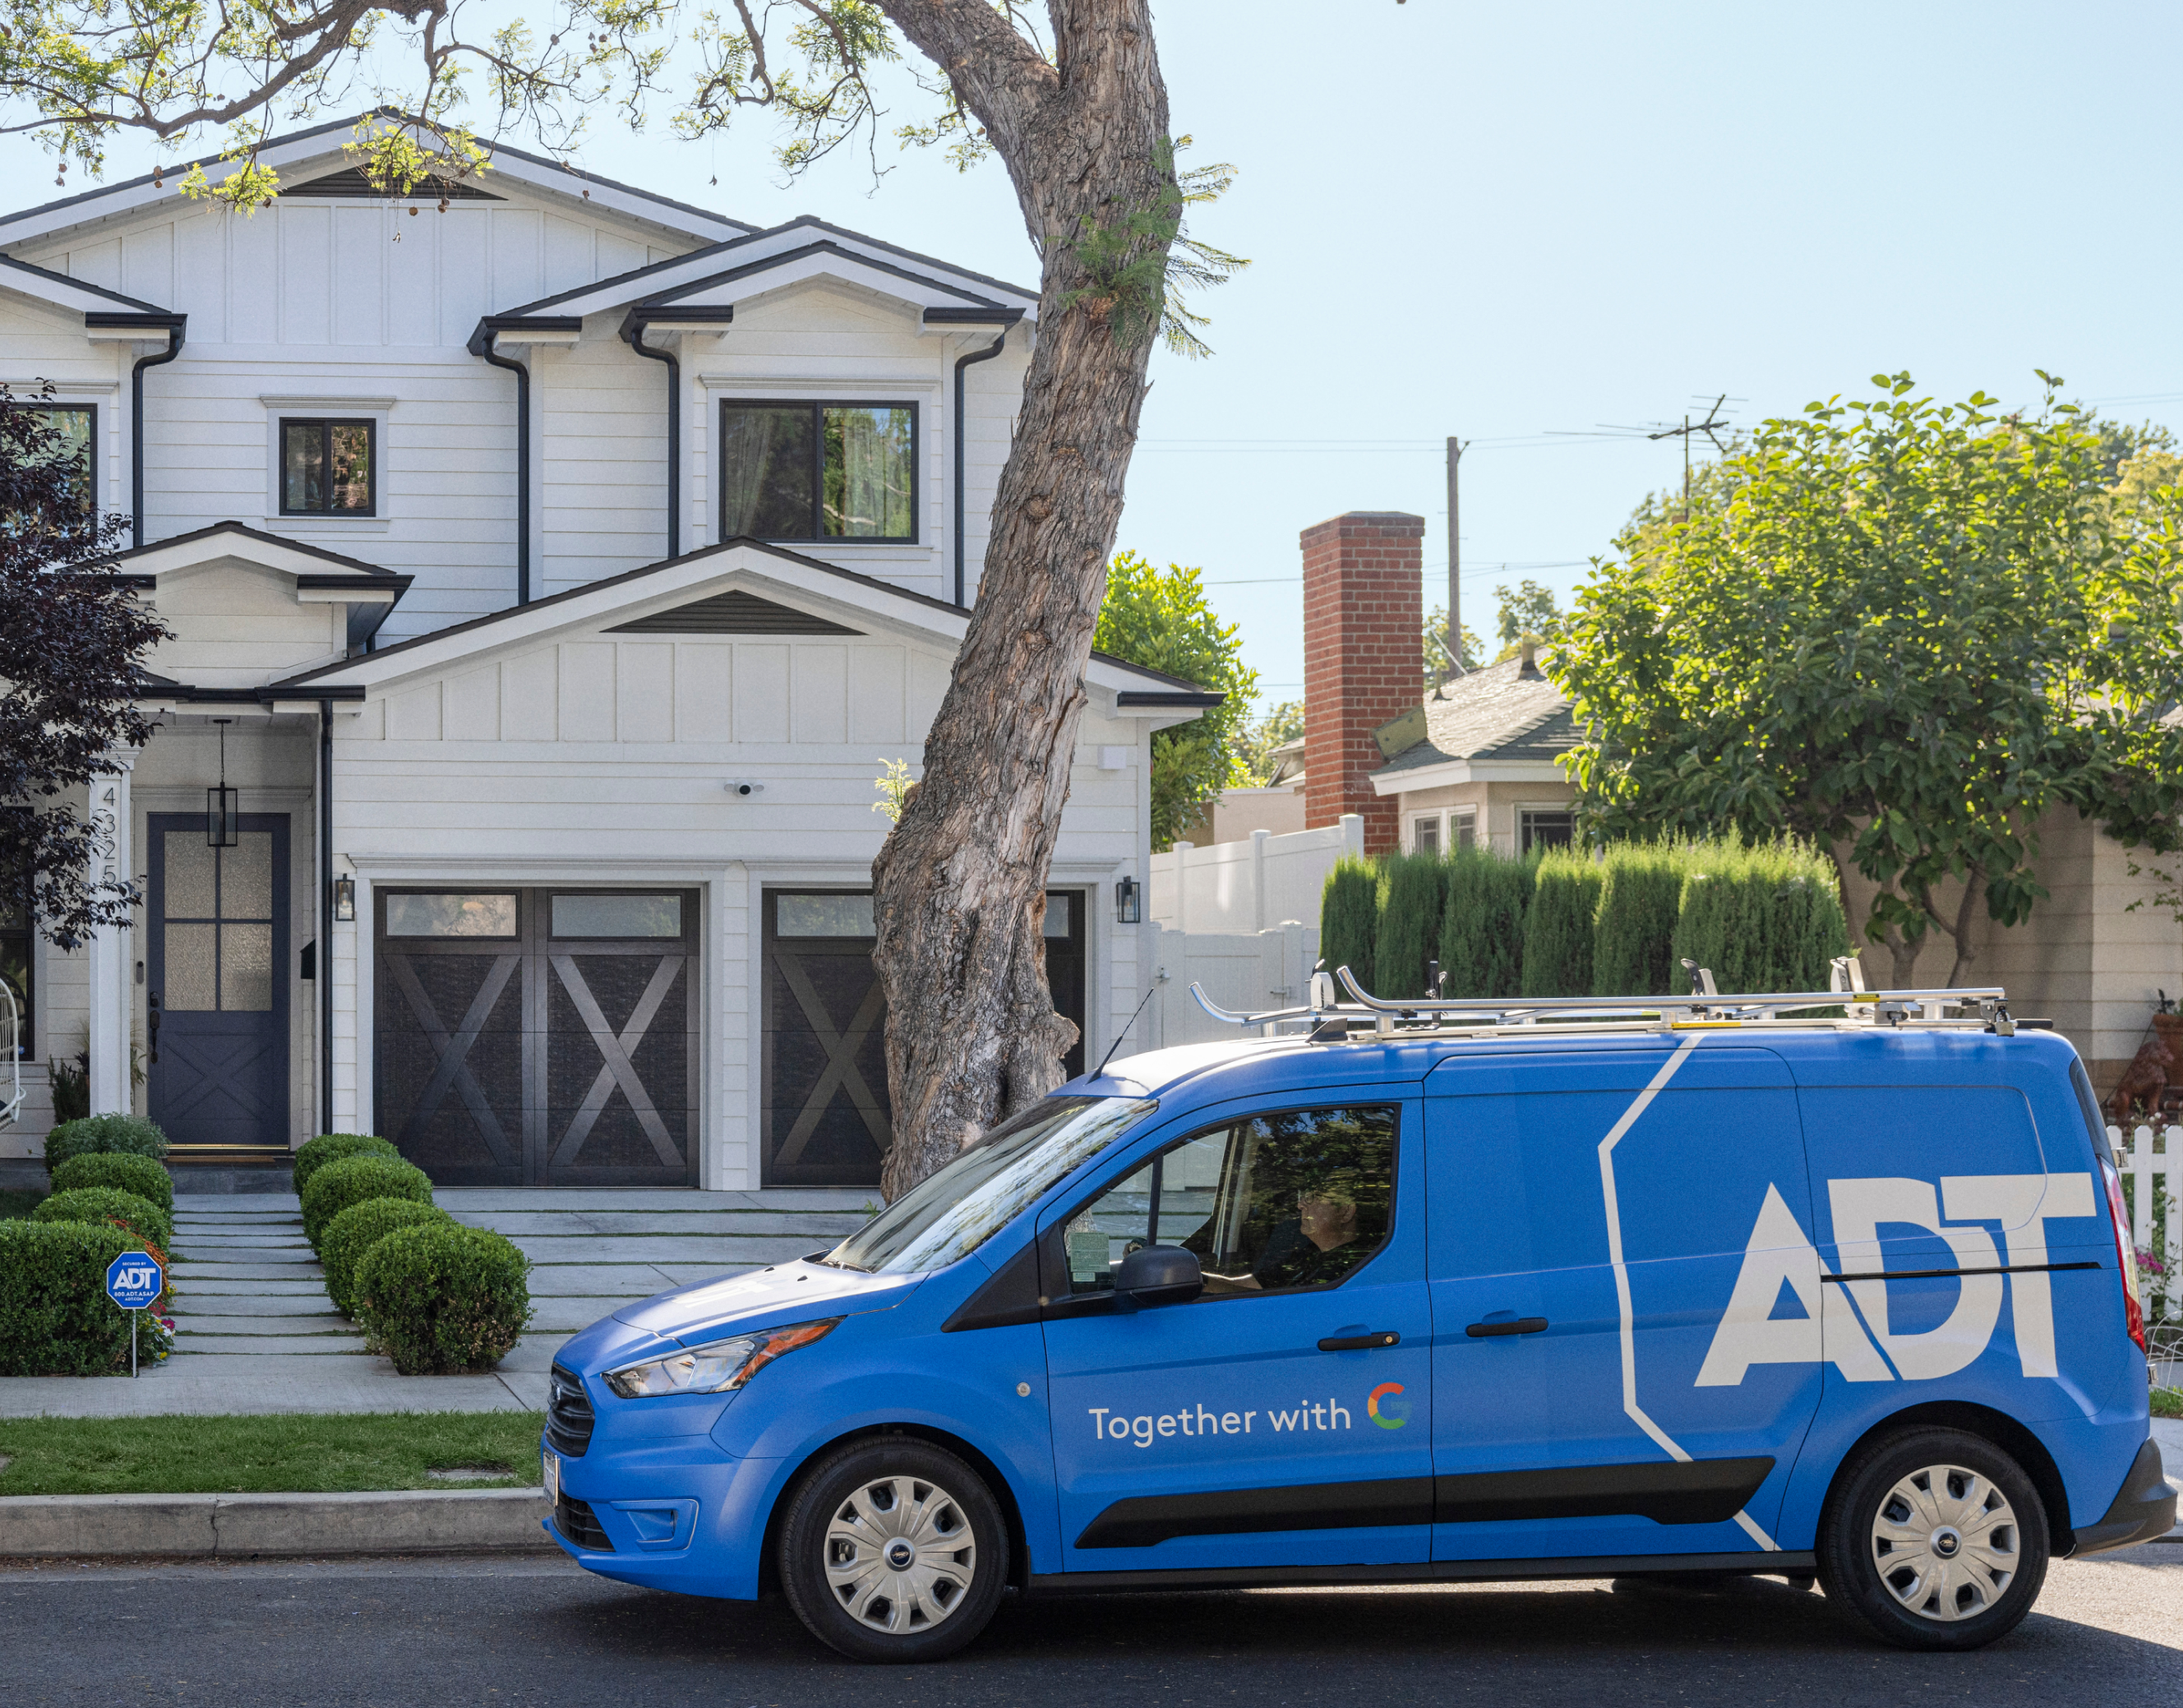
column 1284, row 1418
column 540, row 1037
column 216, row 984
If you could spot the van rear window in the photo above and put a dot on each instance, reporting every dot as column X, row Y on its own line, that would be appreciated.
column 2081, row 1083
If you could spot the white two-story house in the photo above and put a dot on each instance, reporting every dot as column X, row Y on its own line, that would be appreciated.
column 552, row 568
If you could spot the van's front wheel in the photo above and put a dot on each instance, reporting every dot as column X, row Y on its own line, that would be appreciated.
column 1934, row 1539
column 893, row 1549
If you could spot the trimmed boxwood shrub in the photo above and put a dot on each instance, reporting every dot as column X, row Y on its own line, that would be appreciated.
column 1633, row 940
column 315, row 1153
column 138, row 1174
column 55, row 1318
column 124, row 1135
column 102, row 1204
column 1558, row 926
column 441, row 1298
column 355, row 1231
column 1409, row 924
column 1349, row 922
column 1481, row 931
column 355, row 1179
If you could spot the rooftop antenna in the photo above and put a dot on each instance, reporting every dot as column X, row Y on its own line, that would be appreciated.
column 1120, row 1035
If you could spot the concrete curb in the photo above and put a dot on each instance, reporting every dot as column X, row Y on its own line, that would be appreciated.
column 452, row 1521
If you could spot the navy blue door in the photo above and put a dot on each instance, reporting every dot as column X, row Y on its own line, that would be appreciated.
column 217, row 976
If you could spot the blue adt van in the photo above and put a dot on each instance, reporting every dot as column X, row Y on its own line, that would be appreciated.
column 1422, row 1296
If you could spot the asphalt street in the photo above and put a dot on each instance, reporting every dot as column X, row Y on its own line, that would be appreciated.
column 540, row 1630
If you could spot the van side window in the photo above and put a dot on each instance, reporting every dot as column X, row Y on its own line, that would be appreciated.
column 1302, row 1197
column 2095, row 1122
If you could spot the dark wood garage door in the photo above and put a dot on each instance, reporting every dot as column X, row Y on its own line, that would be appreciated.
column 539, row 1036
column 824, row 1111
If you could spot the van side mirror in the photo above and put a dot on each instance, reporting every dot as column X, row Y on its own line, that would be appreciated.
column 1158, row 1275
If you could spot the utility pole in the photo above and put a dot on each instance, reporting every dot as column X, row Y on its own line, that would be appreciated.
column 1454, row 559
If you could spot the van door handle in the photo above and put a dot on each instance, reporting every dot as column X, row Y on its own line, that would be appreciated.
column 1360, row 1343
column 1521, row 1325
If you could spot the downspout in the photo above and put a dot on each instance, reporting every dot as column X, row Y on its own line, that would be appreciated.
column 177, row 330
column 961, row 363
column 482, row 343
column 325, row 966
column 632, row 329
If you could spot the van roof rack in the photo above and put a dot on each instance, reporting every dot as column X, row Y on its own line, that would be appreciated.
column 1984, row 1008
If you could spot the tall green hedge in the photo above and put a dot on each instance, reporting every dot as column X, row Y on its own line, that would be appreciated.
column 1633, row 937
column 1762, row 919
column 1558, row 926
column 1349, row 921
column 55, row 1318
column 1411, row 900
column 1481, row 930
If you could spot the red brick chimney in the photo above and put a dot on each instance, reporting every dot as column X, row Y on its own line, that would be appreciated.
column 1364, row 611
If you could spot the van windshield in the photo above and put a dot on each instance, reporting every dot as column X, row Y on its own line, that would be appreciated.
column 1001, row 1174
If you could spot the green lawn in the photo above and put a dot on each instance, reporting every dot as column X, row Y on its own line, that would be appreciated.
column 17, row 1202
column 259, row 1456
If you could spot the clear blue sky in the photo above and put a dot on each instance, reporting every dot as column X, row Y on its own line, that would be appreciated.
column 1495, row 220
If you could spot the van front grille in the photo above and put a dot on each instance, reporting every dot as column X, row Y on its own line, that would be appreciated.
column 575, row 1521
column 569, row 1415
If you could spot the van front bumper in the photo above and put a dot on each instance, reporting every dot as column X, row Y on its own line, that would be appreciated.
column 2144, row 1511
column 696, row 1526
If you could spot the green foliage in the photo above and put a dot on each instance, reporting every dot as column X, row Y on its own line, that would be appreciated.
column 19, row 1201
column 103, row 1203
column 355, row 1231
column 140, row 1174
column 55, row 1318
column 1897, row 630
column 1760, row 919
column 1411, row 899
column 1349, row 921
column 315, row 1153
column 1137, row 262
column 108, row 1135
column 1481, row 934
column 1558, row 926
column 1640, row 897
column 67, row 1082
column 439, row 1298
column 1530, row 611
column 1161, row 618
column 356, row 1180
column 1282, row 724
column 1435, row 638
column 2168, row 1402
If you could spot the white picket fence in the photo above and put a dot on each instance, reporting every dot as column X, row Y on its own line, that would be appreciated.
column 2140, row 1155
column 1250, row 887
column 1242, row 971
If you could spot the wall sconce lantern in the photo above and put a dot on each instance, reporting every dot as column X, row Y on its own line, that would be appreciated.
column 1129, row 907
column 345, row 900
column 223, row 813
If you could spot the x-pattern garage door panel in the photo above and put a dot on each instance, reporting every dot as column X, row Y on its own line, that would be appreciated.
column 535, row 1059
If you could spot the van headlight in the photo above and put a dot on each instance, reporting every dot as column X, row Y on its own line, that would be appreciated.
column 716, row 1366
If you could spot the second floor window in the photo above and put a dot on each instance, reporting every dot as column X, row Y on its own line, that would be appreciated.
column 329, row 468
column 72, row 432
column 819, row 472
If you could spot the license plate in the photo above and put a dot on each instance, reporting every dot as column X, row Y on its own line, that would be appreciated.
column 552, row 1463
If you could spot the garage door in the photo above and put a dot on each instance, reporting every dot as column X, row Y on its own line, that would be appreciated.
column 539, row 1036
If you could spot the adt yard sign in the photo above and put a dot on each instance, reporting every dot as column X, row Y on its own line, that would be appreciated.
column 133, row 1281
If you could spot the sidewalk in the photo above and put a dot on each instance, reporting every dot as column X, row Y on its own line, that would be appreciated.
column 255, row 1332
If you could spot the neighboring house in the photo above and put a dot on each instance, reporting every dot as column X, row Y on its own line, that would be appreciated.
column 551, row 569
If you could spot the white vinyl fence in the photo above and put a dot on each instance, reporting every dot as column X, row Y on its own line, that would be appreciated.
column 1242, row 971
column 1252, row 886
column 2140, row 1155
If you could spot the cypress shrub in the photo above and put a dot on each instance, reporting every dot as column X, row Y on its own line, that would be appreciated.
column 315, row 1153
column 1558, row 926
column 1349, row 922
column 355, row 1179
column 98, row 1204
column 1412, row 898
column 138, row 1174
column 55, row 1318
column 438, row 1297
column 1481, row 932
column 106, row 1135
column 1762, row 919
column 1633, row 942
column 356, row 1230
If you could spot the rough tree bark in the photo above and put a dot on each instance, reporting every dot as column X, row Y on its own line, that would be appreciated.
column 971, row 1032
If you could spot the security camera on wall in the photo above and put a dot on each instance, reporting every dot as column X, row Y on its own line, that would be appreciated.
column 745, row 788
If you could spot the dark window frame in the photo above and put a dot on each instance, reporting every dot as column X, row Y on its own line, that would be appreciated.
column 1531, row 835
column 817, row 406
column 90, row 443
column 371, row 425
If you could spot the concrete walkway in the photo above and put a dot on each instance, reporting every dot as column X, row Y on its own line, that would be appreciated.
column 255, row 1332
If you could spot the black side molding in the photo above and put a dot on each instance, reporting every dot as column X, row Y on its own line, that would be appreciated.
column 1145, row 1520
column 1748, row 1562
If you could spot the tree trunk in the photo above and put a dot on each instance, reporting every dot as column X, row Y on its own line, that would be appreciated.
column 971, row 1031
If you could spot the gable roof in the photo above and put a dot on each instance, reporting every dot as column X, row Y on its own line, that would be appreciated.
column 534, row 172
column 146, row 564
column 1506, row 719
column 65, row 293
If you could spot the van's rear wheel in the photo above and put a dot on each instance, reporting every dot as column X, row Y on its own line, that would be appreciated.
column 893, row 1549
column 1934, row 1539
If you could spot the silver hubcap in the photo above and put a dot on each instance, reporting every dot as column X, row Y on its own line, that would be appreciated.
column 1945, row 1541
column 900, row 1556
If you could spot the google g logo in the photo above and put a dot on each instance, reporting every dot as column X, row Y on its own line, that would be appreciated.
column 1393, row 1413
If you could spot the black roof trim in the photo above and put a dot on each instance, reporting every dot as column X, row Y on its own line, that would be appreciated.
column 156, row 321
column 667, row 314
column 259, row 534
column 398, row 585
column 79, row 285
column 165, row 688
column 996, row 316
column 823, row 247
column 481, row 338
column 1199, row 699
